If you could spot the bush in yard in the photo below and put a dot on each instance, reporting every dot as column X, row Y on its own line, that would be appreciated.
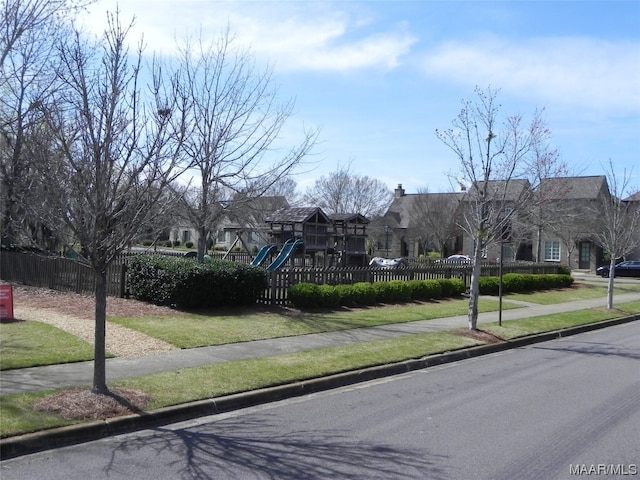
column 515, row 282
column 304, row 295
column 188, row 244
column 364, row 293
column 187, row 283
column 489, row 285
column 328, row 296
column 424, row 289
column 451, row 287
column 346, row 295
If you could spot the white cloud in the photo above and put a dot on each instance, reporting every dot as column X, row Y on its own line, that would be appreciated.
column 292, row 35
column 589, row 74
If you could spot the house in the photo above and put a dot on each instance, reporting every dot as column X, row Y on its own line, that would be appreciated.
column 559, row 226
column 417, row 223
column 570, row 208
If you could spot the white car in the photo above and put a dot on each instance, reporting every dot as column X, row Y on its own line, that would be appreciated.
column 459, row 259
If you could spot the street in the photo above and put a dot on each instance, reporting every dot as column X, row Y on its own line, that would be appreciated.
column 554, row 410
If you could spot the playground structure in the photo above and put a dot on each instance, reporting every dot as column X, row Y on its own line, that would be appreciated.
column 309, row 236
column 308, row 233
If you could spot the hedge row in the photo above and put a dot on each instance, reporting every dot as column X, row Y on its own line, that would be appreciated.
column 310, row 295
column 519, row 283
column 187, row 283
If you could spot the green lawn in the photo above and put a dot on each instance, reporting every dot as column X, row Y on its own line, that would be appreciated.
column 547, row 323
column 30, row 344
column 580, row 291
column 203, row 330
column 18, row 415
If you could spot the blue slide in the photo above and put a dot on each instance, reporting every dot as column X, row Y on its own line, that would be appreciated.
column 262, row 255
column 289, row 247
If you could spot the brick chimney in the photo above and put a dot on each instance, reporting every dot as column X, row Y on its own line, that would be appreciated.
column 399, row 192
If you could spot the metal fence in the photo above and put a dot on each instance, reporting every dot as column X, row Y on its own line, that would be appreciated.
column 65, row 274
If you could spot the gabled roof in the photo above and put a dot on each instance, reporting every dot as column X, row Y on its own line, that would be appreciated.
column 349, row 218
column 402, row 210
column 296, row 215
column 573, row 188
column 501, row 189
column 633, row 198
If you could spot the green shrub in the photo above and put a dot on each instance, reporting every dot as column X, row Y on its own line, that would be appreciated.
column 425, row 289
column 147, row 243
column 364, row 293
column 517, row 283
column 451, row 287
column 346, row 295
column 176, row 243
column 188, row 244
column 304, row 295
column 564, row 270
column 186, row 283
column 489, row 285
column 328, row 296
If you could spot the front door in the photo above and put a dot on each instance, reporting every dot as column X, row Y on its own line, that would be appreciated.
column 584, row 255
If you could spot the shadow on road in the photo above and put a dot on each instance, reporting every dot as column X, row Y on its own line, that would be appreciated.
column 222, row 450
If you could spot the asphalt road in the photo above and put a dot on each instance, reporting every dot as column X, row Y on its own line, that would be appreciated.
column 554, row 410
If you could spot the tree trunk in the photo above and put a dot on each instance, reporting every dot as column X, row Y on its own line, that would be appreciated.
column 202, row 243
column 612, row 274
column 99, row 368
column 474, row 291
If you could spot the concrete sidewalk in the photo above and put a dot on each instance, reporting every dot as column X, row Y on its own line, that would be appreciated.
column 78, row 374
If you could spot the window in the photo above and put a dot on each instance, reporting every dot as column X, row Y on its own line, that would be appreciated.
column 186, row 236
column 552, row 251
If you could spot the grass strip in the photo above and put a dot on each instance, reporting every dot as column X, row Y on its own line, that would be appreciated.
column 29, row 344
column 580, row 291
column 193, row 331
column 198, row 383
column 212, row 381
column 511, row 329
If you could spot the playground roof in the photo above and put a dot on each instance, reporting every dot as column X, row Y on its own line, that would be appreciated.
column 297, row 215
column 349, row 218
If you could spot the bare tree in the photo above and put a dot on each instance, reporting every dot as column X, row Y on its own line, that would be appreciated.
column 345, row 192
column 496, row 156
column 28, row 32
column 435, row 216
column 116, row 151
column 620, row 223
column 234, row 120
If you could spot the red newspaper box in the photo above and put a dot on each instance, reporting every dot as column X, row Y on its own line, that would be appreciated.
column 6, row 302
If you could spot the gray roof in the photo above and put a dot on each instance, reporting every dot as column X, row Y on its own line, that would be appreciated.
column 402, row 210
column 502, row 189
column 349, row 217
column 295, row 215
column 573, row 188
column 633, row 198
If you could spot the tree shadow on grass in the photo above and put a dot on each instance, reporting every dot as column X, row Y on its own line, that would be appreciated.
column 254, row 449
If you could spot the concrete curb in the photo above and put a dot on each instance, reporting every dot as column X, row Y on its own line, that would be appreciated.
column 19, row 445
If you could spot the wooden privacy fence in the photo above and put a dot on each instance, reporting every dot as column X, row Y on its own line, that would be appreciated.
column 60, row 273
column 65, row 274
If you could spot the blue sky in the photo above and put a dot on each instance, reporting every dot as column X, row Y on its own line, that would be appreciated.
column 379, row 77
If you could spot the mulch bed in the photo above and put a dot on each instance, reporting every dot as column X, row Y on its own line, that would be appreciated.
column 77, row 404
column 478, row 335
